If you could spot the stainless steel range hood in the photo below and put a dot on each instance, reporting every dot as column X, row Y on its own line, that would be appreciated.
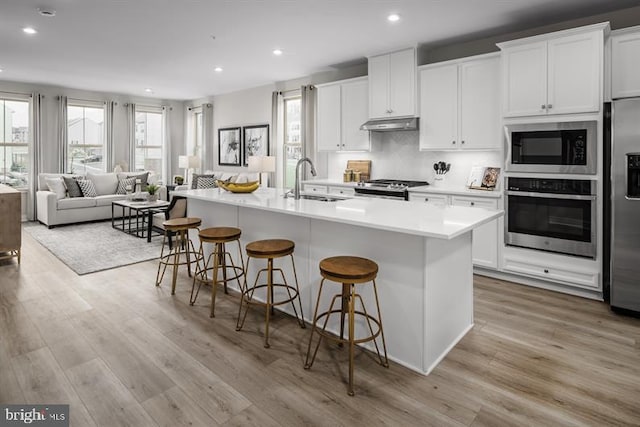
column 387, row 125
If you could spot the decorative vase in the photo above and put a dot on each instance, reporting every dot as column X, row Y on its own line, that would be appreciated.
column 152, row 198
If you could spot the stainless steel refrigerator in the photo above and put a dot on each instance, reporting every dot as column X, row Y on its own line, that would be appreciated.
column 623, row 145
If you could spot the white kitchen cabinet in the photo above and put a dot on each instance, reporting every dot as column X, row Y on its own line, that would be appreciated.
column 459, row 105
column 625, row 57
column 557, row 73
column 433, row 199
column 315, row 188
column 485, row 237
column 342, row 107
column 566, row 273
column 342, row 191
column 392, row 84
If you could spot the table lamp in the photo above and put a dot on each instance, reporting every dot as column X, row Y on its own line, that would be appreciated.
column 262, row 164
column 187, row 163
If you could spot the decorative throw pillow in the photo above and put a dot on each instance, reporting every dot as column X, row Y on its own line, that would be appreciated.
column 73, row 189
column 124, row 183
column 205, row 182
column 195, row 177
column 87, row 187
column 143, row 177
column 105, row 183
column 57, row 186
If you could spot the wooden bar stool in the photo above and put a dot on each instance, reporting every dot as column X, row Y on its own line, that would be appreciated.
column 269, row 250
column 349, row 271
column 218, row 236
column 181, row 249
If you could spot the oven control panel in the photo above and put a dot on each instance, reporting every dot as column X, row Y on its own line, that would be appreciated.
column 555, row 186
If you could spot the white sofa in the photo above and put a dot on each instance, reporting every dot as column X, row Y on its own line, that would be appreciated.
column 52, row 209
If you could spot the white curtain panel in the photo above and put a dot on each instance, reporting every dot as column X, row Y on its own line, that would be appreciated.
column 277, row 132
column 37, row 162
column 166, row 142
column 110, row 155
column 62, row 134
column 207, row 161
column 308, row 127
column 131, row 123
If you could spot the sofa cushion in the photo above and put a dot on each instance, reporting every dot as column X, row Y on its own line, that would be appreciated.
column 142, row 176
column 42, row 179
column 56, row 185
column 108, row 198
column 76, row 203
column 87, row 187
column 105, row 183
column 73, row 189
column 124, row 183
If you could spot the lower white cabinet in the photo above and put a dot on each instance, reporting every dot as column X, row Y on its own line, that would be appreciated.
column 315, row 188
column 567, row 273
column 342, row 191
column 485, row 237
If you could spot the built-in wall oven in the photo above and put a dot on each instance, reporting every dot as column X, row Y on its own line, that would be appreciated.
column 555, row 215
column 566, row 148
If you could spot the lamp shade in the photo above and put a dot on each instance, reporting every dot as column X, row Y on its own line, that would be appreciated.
column 269, row 164
column 194, row 162
column 183, row 162
column 255, row 163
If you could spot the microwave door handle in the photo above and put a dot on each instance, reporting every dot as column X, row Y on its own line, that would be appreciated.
column 551, row 195
column 507, row 151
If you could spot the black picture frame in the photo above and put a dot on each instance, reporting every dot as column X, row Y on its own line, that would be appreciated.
column 229, row 146
column 255, row 142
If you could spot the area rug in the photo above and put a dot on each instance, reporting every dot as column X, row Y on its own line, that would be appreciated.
column 87, row 248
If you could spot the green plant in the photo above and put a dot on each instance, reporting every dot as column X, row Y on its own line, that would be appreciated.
column 152, row 188
column 178, row 179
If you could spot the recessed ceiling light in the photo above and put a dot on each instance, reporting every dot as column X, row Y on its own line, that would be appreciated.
column 29, row 30
column 1, row 70
column 277, row 52
column 46, row 12
column 148, row 90
column 218, row 69
column 393, row 17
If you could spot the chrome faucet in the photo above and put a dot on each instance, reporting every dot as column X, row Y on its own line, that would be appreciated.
column 296, row 187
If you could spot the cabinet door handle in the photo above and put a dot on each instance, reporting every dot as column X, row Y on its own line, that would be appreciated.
column 462, row 142
column 473, row 203
column 426, row 199
column 337, row 145
column 453, row 142
column 549, row 106
column 546, row 271
column 544, row 107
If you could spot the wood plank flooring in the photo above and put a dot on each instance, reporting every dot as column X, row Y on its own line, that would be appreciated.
column 122, row 352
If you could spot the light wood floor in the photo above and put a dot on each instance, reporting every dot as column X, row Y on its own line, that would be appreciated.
column 122, row 352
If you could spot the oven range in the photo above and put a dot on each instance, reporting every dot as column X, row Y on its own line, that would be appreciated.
column 387, row 188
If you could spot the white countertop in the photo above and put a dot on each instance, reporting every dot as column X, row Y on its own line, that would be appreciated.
column 422, row 219
column 457, row 191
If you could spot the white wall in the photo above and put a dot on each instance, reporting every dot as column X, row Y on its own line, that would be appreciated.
column 395, row 155
column 243, row 108
column 121, row 136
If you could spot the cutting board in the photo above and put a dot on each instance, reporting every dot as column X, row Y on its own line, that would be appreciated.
column 364, row 166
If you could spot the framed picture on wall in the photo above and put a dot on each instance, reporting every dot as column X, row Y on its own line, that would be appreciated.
column 255, row 142
column 229, row 147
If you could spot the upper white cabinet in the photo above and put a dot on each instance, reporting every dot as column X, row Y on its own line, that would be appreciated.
column 392, row 84
column 625, row 57
column 557, row 73
column 459, row 105
column 342, row 107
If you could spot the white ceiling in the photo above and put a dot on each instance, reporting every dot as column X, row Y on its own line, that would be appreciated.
column 125, row 46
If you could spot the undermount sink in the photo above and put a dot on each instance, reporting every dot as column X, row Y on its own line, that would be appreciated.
column 320, row 198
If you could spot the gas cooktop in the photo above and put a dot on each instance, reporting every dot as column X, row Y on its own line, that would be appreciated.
column 392, row 188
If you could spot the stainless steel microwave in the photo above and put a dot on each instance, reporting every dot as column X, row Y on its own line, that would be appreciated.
column 566, row 148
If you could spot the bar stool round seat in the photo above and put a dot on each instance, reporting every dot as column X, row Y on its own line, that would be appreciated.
column 181, row 249
column 219, row 261
column 270, row 249
column 349, row 271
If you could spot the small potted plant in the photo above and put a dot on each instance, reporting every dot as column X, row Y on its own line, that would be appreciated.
column 178, row 180
column 152, row 189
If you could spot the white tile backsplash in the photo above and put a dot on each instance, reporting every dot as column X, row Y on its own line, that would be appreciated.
column 396, row 155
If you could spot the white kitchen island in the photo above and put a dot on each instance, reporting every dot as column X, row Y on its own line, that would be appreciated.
column 425, row 279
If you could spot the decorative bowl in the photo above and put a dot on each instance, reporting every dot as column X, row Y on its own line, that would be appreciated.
column 245, row 187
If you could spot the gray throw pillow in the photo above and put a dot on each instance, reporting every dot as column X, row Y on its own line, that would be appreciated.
column 206, row 182
column 195, row 181
column 73, row 189
column 143, row 177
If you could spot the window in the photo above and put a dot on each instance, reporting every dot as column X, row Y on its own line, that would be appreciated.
column 149, row 149
column 14, row 142
column 85, row 137
column 194, row 144
column 292, row 139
